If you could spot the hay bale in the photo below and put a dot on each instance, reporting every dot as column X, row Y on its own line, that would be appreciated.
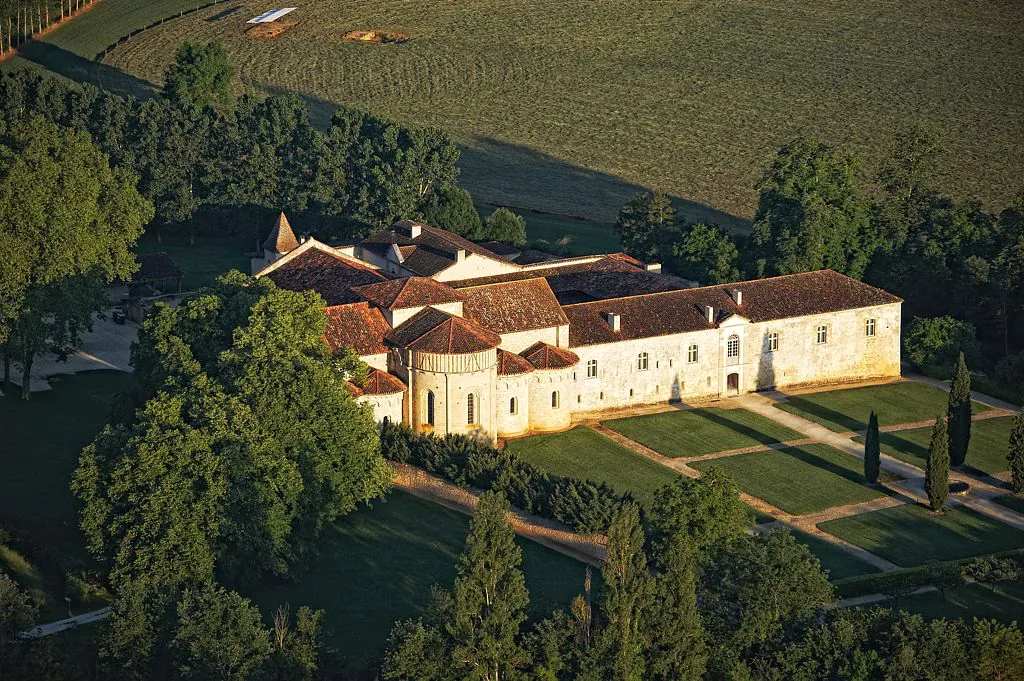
column 271, row 29
column 375, row 36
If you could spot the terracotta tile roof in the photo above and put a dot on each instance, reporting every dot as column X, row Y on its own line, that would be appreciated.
column 408, row 292
column 282, row 238
column 511, row 364
column 329, row 275
column 513, row 306
column 378, row 383
column 155, row 267
column 660, row 314
column 357, row 326
column 544, row 356
column 432, row 330
column 426, row 254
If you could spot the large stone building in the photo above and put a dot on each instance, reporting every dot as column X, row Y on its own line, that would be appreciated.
column 461, row 339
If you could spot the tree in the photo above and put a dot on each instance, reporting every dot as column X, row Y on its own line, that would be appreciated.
column 810, row 214
column 626, row 599
column 416, row 651
column 505, row 226
column 16, row 614
column 1015, row 454
column 872, row 453
column 199, row 76
column 297, row 651
column 958, row 413
column 705, row 510
column 678, row 650
column 936, row 477
column 452, row 209
column 706, row 254
column 645, row 223
column 938, row 340
column 490, row 597
column 220, row 635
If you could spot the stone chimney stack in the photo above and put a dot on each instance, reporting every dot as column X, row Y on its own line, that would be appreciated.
column 737, row 296
column 460, row 255
column 613, row 320
column 415, row 230
column 709, row 314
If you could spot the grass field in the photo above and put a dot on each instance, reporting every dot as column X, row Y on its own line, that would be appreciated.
column 582, row 453
column 1012, row 501
column 798, row 480
column 844, row 410
column 377, row 567
column 839, row 563
column 701, row 431
column 986, row 453
column 1004, row 603
column 910, row 535
column 567, row 107
column 203, row 262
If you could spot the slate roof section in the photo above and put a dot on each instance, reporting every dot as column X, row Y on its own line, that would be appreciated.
column 660, row 314
column 431, row 330
column 432, row 251
column 357, row 326
column 396, row 294
column 156, row 267
column 511, row 364
column 513, row 306
column 544, row 356
column 378, row 383
column 282, row 239
column 329, row 275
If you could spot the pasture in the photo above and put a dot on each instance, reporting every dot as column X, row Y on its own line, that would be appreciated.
column 568, row 107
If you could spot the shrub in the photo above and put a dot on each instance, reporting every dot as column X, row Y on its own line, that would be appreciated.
column 938, row 340
column 1010, row 372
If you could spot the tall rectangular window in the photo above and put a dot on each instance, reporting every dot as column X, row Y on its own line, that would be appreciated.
column 822, row 336
column 691, row 354
column 773, row 342
column 643, row 361
column 592, row 368
column 869, row 328
column 732, row 346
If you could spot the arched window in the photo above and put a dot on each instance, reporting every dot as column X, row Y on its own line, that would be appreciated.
column 732, row 346
column 643, row 361
column 430, row 408
column 470, row 409
column 554, row 400
column 513, row 408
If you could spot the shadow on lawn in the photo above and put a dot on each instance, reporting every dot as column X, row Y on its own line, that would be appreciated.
column 806, row 456
column 719, row 419
column 826, row 415
column 78, row 68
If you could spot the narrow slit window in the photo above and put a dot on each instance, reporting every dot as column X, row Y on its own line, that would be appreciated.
column 470, row 409
column 554, row 400
column 430, row 408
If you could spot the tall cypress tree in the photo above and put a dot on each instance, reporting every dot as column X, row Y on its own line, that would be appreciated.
column 490, row 596
column 959, row 413
column 1015, row 455
column 678, row 647
column 936, row 476
column 872, row 453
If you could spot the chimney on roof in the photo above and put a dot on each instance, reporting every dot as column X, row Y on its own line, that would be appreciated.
column 737, row 296
column 709, row 314
column 415, row 230
column 460, row 255
column 653, row 267
column 613, row 320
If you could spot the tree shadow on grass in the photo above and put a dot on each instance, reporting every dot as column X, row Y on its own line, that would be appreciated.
column 719, row 419
column 825, row 416
column 809, row 457
column 82, row 70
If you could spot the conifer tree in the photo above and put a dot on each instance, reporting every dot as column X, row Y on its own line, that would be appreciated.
column 490, row 596
column 959, row 413
column 936, row 477
column 627, row 598
column 872, row 455
column 678, row 649
column 1015, row 456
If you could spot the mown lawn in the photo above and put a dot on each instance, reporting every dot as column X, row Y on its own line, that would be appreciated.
column 986, row 453
column 845, row 410
column 42, row 439
column 701, row 431
column 582, row 453
column 377, row 567
column 911, row 535
column 839, row 563
column 798, row 480
column 1004, row 602
column 1012, row 501
column 203, row 262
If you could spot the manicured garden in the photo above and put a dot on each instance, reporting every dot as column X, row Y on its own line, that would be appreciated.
column 911, row 535
column 798, row 480
column 839, row 562
column 849, row 409
column 582, row 453
column 701, row 431
column 377, row 567
column 1012, row 501
column 986, row 453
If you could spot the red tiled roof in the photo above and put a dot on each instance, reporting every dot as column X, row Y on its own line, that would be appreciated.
column 282, row 238
column 431, row 330
column 432, row 251
column 380, row 383
column 513, row 306
column 659, row 314
column 328, row 274
column 511, row 364
column 544, row 356
column 408, row 292
column 358, row 326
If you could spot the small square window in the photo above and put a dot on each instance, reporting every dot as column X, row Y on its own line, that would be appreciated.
column 869, row 328
column 822, row 336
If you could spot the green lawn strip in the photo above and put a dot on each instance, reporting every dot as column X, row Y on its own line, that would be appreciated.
column 203, row 262
column 1004, row 602
column 695, row 432
column 839, row 562
column 1014, row 502
column 584, row 236
column 986, row 453
column 43, row 438
column 582, row 453
column 845, row 410
column 377, row 566
column 911, row 535
column 798, row 480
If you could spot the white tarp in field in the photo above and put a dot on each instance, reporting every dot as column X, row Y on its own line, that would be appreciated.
column 272, row 15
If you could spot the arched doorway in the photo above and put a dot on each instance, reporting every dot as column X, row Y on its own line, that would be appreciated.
column 732, row 383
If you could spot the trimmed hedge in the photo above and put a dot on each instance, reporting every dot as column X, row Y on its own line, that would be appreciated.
column 583, row 505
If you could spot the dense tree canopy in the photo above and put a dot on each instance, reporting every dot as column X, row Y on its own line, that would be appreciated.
column 200, row 75
column 645, row 224
column 706, row 254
